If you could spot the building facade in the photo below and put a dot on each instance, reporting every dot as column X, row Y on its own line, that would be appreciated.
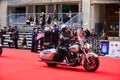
column 97, row 14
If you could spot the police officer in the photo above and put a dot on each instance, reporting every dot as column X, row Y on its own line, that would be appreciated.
column 34, row 47
column 64, row 37
column 55, row 35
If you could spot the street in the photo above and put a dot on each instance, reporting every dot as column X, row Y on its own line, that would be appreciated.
column 17, row 64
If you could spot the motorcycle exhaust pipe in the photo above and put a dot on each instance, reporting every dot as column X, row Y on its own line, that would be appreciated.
column 60, row 63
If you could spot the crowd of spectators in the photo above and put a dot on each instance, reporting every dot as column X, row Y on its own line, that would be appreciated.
column 45, row 33
column 41, row 36
column 45, row 19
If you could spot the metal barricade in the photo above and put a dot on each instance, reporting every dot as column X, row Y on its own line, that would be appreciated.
column 95, row 42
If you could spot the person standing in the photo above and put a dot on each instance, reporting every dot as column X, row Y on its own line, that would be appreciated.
column 15, row 37
column 93, row 33
column 70, row 14
column 30, row 18
column 2, row 35
column 42, row 20
column 104, row 35
column 61, row 19
column 10, row 29
column 55, row 35
column 87, row 33
column 40, row 37
column 81, row 36
column 34, row 46
column 48, row 19
column 74, row 33
column 10, row 41
column 35, row 19
column 65, row 18
column 48, row 34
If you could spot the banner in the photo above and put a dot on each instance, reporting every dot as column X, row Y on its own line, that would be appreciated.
column 114, row 48
column 105, row 47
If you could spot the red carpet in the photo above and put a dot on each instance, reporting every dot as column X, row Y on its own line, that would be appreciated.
column 24, row 65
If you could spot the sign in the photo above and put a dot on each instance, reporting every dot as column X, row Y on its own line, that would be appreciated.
column 114, row 48
column 105, row 47
column 85, row 22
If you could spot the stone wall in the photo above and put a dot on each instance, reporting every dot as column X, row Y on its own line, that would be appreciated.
column 0, row 14
column 86, row 13
column 3, row 13
column 105, row 1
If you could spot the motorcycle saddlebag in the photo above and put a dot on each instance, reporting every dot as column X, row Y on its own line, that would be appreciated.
column 48, row 54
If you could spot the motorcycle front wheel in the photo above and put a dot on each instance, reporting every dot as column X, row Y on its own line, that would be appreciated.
column 51, row 64
column 1, row 50
column 91, row 64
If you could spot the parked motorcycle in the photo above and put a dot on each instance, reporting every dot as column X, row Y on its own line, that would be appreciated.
column 72, row 55
column 0, row 49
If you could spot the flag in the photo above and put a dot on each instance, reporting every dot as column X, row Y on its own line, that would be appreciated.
column 40, row 35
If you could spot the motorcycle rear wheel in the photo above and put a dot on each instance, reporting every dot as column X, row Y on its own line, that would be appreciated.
column 92, row 65
column 1, row 50
column 51, row 64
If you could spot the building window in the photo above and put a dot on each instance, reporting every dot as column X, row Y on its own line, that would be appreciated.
column 16, row 15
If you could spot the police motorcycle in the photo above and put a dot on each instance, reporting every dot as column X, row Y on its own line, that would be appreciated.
column 1, row 49
column 71, row 54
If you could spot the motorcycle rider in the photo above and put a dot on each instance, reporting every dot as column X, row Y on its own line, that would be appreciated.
column 65, row 41
column 64, row 37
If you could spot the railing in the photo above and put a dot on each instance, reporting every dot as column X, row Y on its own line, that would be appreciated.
column 20, row 19
column 16, row 18
column 95, row 42
column 35, row 1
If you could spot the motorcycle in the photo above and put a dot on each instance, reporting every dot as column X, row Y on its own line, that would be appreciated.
column 1, row 49
column 72, row 55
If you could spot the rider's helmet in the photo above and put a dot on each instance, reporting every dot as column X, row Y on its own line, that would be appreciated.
column 63, row 27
